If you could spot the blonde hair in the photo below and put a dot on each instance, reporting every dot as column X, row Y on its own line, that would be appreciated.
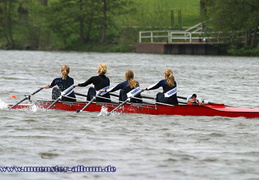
column 65, row 71
column 169, row 77
column 102, row 69
column 129, row 76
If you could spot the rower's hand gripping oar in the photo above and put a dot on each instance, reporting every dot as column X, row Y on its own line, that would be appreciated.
column 63, row 93
column 26, row 97
column 130, row 94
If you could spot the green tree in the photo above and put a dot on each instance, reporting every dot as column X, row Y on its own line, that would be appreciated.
column 7, row 20
column 110, row 9
column 83, row 20
column 71, row 20
column 32, row 24
column 238, row 20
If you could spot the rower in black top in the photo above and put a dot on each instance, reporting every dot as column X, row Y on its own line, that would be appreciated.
column 101, row 81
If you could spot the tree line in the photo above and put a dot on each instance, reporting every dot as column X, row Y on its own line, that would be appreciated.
column 66, row 24
column 236, row 21
column 39, row 24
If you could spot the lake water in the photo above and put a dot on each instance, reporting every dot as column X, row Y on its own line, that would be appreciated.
column 138, row 146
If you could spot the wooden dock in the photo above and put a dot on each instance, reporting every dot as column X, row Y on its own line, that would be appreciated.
column 188, row 48
column 192, row 41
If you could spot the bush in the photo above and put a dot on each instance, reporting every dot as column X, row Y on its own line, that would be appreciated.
column 243, row 51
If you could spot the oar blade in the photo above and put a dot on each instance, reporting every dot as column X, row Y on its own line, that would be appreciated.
column 78, row 110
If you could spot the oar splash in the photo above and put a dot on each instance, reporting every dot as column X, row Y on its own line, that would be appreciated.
column 26, row 97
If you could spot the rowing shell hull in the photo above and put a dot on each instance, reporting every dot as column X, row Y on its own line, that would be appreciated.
column 153, row 109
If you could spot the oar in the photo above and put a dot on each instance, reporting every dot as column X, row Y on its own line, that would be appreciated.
column 130, row 94
column 158, row 102
column 147, row 97
column 181, row 97
column 121, row 104
column 26, row 97
column 203, row 101
column 102, row 93
column 207, row 102
column 115, row 95
column 78, row 110
column 63, row 93
column 80, row 94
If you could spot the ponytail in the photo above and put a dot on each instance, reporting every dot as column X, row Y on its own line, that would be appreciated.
column 133, row 83
column 169, row 77
column 65, row 71
column 102, row 69
column 129, row 76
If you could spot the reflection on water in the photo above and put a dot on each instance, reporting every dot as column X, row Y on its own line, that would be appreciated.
column 139, row 146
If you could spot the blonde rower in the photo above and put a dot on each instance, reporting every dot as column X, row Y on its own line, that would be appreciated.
column 169, row 94
column 101, row 81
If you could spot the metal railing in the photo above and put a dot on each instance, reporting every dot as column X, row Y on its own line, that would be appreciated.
column 189, row 35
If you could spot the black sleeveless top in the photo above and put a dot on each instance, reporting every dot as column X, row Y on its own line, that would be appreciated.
column 99, row 82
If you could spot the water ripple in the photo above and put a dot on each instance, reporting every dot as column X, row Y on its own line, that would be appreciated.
column 140, row 146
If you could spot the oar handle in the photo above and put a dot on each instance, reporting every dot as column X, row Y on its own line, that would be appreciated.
column 115, row 95
column 68, row 90
column 181, row 97
column 80, row 94
column 147, row 97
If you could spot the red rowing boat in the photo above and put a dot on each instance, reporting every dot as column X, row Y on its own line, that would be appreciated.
column 153, row 109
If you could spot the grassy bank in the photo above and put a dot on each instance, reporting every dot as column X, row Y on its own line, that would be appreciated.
column 158, row 14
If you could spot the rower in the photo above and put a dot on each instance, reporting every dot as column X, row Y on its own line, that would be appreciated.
column 169, row 94
column 60, row 84
column 125, row 87
column 101, row 81
column 192, row 100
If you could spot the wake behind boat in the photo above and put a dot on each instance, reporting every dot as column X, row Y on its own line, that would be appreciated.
column 147, row 108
